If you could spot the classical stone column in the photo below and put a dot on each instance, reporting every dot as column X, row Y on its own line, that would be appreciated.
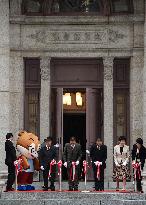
column 144, row 101
column 136, row 96
column 91, row 116
column 144, row 84
column 45, row 98
column 4, row 78
column 108, row 114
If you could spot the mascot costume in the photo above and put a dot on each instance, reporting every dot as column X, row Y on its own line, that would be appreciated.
column 28, row 146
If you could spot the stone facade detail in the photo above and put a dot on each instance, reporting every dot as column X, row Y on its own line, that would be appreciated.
column 45, row 69
column 108, row 68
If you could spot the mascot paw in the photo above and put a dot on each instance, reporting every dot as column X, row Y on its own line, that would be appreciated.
column 29, row 187
column 21, row 188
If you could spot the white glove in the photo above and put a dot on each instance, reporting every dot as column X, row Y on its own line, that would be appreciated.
column 42, row 168
column 65, row 164
column 77, row 163
column 97, row 162
column 56, row 145
column 87, row 152
column 124, row 163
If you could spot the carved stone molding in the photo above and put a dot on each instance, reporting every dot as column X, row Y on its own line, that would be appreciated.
column 138, row 61
column 108, row 68
column 45, row 68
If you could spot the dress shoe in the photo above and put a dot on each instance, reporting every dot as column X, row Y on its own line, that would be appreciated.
column 70, row 188
column 45, row 189
column 9, row 189
column 52, row 188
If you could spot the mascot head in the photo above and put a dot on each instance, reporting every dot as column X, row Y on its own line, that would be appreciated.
column 28, row 144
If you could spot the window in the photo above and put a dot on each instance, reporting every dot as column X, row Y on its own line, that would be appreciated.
column 31, row 6
column 32, row 95
column 121, row 98
column 97, row 7
column 121, row 6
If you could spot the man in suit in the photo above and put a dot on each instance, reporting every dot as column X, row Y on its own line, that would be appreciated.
column 139, row 156
column 98, row 154
column 9, row 161
column 47, row 155
column 72, row 154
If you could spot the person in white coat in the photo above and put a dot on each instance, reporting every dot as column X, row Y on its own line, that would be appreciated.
column 121, row 159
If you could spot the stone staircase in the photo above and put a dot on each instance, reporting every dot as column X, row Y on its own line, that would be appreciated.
column 3, row 178
column 38, row 197
column 68, row 198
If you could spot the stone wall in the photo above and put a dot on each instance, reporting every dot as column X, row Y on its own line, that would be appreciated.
column 76, row 36
column 4, row 77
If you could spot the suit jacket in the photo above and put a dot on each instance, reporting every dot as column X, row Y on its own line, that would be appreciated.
column 99, row 154
column 121, row 157
column 47, row 155
column 72, row 154
column 10, row 153
column 141, row 155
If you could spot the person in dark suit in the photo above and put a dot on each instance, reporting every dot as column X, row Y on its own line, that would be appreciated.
column 98, row 154
column 47, row 155
column 9, row 161
column 139, row 156
column 72, row 153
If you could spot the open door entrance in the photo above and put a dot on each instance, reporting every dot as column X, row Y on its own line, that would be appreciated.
column 76, row 112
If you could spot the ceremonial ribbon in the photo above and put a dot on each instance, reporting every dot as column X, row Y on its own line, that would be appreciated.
column 98, row 170
column 52, row 163
column 72, row 171
column 59, row 167
column 137, row 168
column 85, row 164
column 18, row 166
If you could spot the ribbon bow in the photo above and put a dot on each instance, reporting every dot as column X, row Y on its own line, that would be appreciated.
column 137, row 168
column 18, row 166
column 52, row 163
column 59, row 167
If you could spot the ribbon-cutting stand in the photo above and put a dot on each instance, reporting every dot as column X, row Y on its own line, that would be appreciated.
column 60, row 174
column 85, row 166
column 18, row 168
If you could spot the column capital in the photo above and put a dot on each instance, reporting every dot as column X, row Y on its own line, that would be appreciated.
column 45, row 68
column 108, row 68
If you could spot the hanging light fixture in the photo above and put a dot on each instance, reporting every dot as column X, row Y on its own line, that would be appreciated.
column 79, row 100
column 67, row 99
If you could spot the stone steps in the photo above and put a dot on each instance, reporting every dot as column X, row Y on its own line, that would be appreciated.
column 68, row 198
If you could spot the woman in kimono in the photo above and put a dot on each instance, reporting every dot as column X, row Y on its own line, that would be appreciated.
column 121, row 159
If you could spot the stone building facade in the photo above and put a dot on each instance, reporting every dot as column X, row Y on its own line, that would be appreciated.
column 109, row 38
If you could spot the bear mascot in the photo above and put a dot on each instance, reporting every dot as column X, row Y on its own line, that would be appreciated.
column 28, row 146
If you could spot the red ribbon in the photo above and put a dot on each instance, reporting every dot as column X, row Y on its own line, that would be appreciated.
column 85, row 165
column 98, row 170
column 18, row 166
column 52, row 163
column 72, row 171
column 59, row 167
column 137, row 169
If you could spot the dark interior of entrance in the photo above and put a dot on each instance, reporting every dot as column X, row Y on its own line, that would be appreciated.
column 75, row 125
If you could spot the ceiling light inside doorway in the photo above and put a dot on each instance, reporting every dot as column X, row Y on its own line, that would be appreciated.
column 79, row 99
column 67, row 99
